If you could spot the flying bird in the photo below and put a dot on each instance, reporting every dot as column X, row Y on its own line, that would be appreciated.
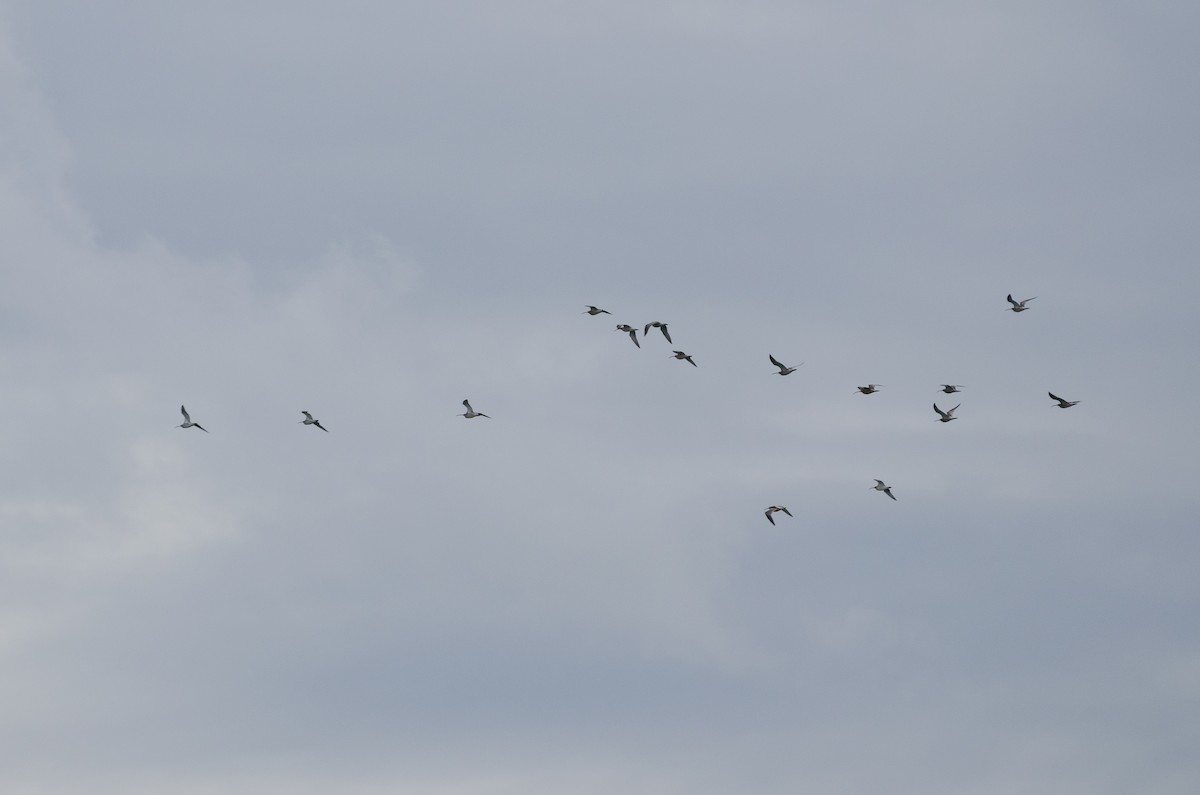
column 470, row 412
column 946, row 416
column 783, row 368
column 881, row 486
column 595, row 310
column 1018, row 306
column 950, row 389
column 685, row 357
column 308, row 420
column 1062, row 404
column 773, row 509
column 869, row 388
column 187, row 421
column 661, row 327
column 631, row 331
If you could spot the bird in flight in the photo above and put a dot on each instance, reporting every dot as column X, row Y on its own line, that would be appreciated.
column 783, row 368
column 470, row 412
column 631, row 331
column 685, row 357
column 595, row 310
column 946, row 416
column 773, row 509
column 950, row 389
column 187, row 421
column 1018, row 306
column 881, row 486
column 661, row 327
column 308, row 420
column 1062, row 404
column 869, row 388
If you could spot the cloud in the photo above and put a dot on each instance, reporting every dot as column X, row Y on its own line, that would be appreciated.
column 374, row 214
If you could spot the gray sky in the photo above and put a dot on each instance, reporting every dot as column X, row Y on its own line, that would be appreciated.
column 371, row 210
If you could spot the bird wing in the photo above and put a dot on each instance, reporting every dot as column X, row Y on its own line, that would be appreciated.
column 307, row 416
column 888, row 491
column 319, row 425
column 186, row 418
column 1011, row 301
column 1054, row 397
column 633, row 336
column 663, row 329
column 468, row 405
column 951, row 411
column 770, row 518
column 939, row 411
column 785, row 510
column 775, row 362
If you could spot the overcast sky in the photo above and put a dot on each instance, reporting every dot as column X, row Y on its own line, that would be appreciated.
column 372, row 210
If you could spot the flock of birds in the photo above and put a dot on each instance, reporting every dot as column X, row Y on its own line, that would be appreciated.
column 944, row 415
column 784, row 369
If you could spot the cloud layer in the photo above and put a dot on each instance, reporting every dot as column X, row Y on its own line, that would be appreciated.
column 374, row 212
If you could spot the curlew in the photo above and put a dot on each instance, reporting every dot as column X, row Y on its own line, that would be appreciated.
column 773, row 509
column 1062, row 404
column 661, row 327
column 945, row 416
column 472, row 413
column 1018, row 306
column 783, row 368
column 187, row 421
column 308, row 420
